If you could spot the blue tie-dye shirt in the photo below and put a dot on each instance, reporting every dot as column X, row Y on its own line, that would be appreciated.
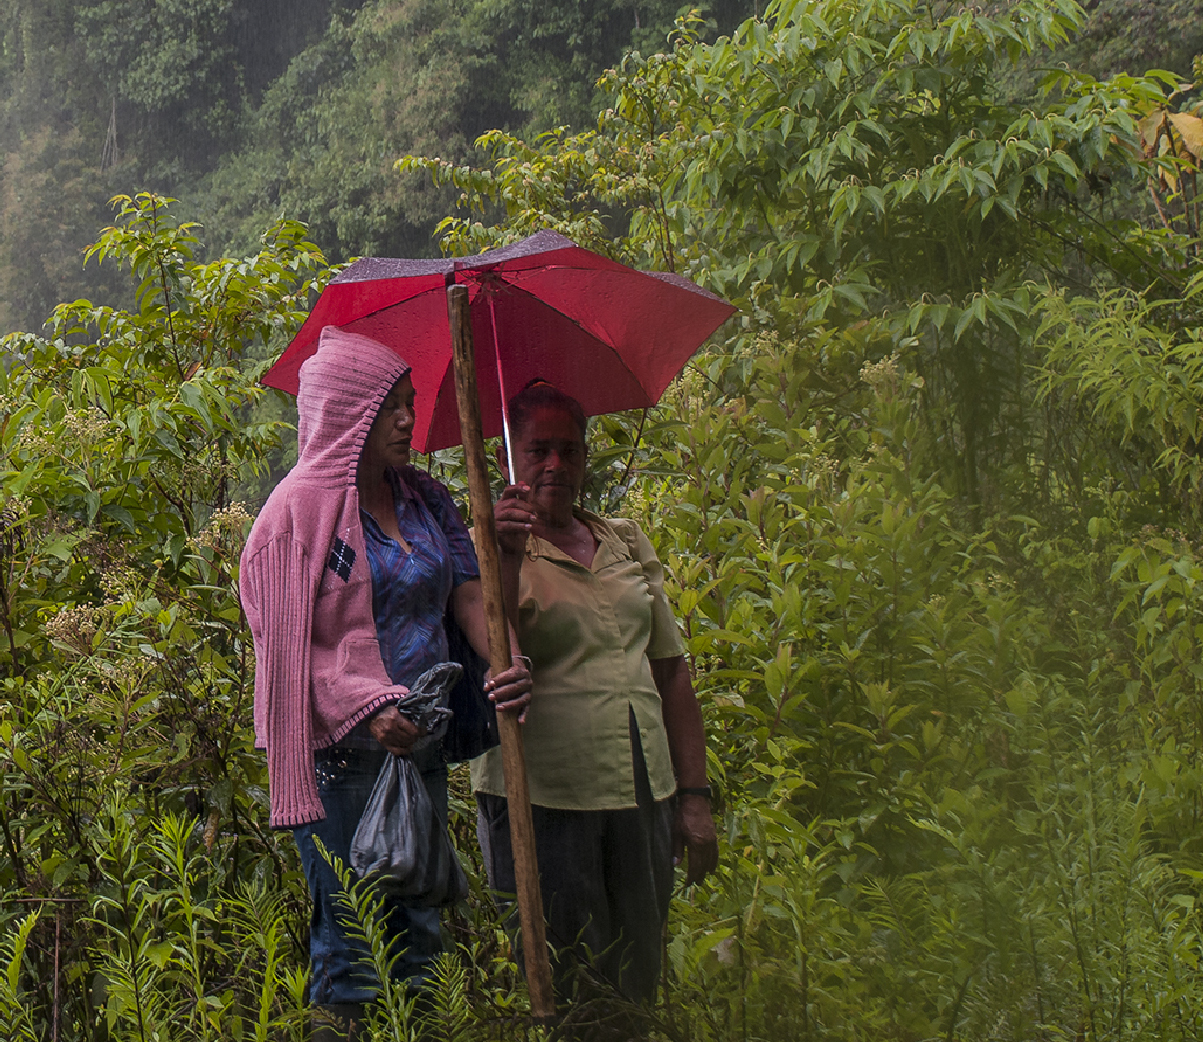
column 410, row 589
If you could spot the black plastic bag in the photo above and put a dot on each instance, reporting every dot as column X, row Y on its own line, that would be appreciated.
column 401, row 846
column 427, row 703
column 399, row 843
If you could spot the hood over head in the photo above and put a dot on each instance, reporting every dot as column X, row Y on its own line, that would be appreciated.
column 342, row 386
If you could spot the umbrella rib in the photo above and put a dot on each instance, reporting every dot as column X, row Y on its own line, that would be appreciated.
column 505, row 406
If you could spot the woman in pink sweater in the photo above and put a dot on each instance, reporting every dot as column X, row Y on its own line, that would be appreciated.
column 346, row 578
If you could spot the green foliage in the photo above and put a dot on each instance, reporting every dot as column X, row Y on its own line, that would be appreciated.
column 1124, row 371
column 366, row 921
column 180, row 951
column 835, row 161
column 460, row 1003
column 249, row 109
column 16, row 1021
column 1124, row 36
column 413, row 77
column 133, row 805
column 928, row 514
column 157, row 55
column 126, row 436
column 99, row 94
column 955, row 766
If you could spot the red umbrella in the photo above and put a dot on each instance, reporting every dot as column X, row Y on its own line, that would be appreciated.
column 610, row 336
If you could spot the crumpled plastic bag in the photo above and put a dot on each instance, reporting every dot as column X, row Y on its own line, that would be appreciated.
column 426, row 702
column 399, row 843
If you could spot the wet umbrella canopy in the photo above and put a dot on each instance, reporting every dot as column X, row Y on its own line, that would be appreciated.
column 610, row 336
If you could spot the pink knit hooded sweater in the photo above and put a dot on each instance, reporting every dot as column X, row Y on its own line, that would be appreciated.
column 305, row 582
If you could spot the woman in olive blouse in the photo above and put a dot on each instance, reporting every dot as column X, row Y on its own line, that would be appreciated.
column 615, row 749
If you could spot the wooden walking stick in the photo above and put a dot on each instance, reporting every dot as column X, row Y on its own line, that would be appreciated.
column 522, row 833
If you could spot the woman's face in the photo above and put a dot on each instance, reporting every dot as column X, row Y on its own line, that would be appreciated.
column 549, row 456
column 391, row 434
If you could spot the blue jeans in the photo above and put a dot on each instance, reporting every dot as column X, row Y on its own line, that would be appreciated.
column 345, row 777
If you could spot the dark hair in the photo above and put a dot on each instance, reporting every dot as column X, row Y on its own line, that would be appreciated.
column 538, row 394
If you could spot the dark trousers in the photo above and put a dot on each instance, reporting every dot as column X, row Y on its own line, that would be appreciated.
column 345, row 778
column 606, row 878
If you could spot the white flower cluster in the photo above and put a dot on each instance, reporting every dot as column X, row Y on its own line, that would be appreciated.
column 226, row 529
column 35, row 441
column 120, row 583
column 74, row 626
column 86, row 426
column 823, row 473
column 882, row 376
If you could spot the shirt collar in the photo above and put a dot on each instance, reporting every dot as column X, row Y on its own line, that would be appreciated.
column 609, row 546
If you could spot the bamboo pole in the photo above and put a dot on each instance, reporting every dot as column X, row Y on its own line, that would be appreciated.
column 522, row 833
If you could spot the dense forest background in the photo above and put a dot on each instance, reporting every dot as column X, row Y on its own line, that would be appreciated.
column 929, row 506
column 249, row 110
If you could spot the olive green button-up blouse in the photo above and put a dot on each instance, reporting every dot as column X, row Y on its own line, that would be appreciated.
column 590, row 633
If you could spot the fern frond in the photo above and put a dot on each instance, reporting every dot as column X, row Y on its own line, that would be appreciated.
column 16, row 1016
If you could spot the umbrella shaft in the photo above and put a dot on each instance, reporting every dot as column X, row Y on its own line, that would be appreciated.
column 505, row 398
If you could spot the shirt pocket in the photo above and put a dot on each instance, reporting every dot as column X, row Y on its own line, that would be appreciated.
column 355, row 653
